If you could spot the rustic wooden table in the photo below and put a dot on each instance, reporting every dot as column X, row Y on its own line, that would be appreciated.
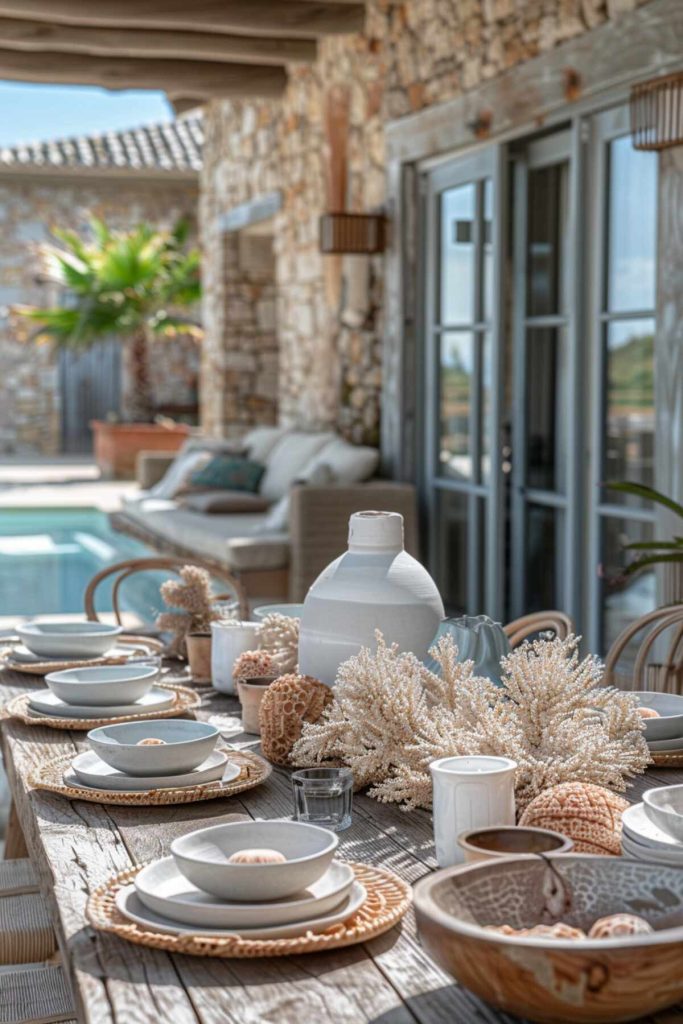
column 76, row 845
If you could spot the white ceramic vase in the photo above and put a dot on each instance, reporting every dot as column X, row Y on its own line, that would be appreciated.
column 376, row 584
column 469, row 792
column 229, row 640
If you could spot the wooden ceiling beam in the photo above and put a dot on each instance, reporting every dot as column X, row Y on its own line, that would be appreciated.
column 176, row 78
column 299, row 18
column 41, row 36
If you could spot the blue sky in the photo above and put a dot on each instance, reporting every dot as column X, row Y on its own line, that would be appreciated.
column 33, row 113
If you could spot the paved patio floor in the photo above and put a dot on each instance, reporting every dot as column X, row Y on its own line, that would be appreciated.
column 73, row 482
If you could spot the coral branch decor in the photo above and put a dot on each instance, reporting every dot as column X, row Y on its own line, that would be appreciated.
column 391, row 716
column 278, row 635
column 191, row 596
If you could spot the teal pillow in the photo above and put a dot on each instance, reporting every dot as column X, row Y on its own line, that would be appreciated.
column 229, row 473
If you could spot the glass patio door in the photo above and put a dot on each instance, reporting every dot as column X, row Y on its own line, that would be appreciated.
column 543, row 484
column 462, row 383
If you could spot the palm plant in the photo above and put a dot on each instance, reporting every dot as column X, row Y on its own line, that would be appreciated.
column 652, row 552
column 129, row 284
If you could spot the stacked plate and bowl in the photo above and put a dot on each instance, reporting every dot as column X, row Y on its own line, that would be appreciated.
column 653, row 829
column 254, row 879
column 156, row 754
column 664, row 731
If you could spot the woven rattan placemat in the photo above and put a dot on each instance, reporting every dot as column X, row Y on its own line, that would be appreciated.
column 388, row 899
column 185, row 700
column 50, row 776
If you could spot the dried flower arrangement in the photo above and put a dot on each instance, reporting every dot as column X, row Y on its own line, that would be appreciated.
column 192, row 593
column 391, row 716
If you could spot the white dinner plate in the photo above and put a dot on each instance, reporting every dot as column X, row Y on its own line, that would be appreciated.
column 132, row 907
column 21, row 654
column 675, row 744
column 92, row 771
column 163, row 890
column 47, row 703
column 639, row 829
column 640, row 852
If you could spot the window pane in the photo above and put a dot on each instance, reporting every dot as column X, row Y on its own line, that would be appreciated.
column 487, row 250
column 546, row 409
column 632, row 227
column 624, row 598
column 455, row 395
column 486, row 343
column 544, row 571
column 452, row 543
column 458, row 263
column 629, row 401
column 546, row 259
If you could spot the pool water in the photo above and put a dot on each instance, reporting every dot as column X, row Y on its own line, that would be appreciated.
column 48, row 556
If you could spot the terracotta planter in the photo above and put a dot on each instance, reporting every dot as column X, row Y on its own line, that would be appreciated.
column 199, row 656
column 116, row 445
column 250, row 693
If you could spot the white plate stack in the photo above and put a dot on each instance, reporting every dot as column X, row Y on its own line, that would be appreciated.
column 108, row 691
column 663, row 733
column 643, row 839
column 199, row 891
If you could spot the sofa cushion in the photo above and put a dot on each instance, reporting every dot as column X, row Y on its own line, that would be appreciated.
column 288, row 458
column 176, row 479
column 349, row 463
column 228, row 473
column 259, row 442
column 211, row 536
column 217, row 501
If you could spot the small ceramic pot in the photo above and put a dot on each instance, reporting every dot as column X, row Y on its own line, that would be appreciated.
column 199, row 656
column 503, row 841
column 469, row 792
column 250, row 693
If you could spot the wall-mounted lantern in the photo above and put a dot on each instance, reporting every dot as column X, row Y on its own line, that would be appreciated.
column 359, row 234
column 657, row 112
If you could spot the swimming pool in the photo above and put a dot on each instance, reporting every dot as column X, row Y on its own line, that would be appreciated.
column 48, row 555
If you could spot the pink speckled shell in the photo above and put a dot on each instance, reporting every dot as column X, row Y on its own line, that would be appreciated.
column 588, row 814
column 619, row 924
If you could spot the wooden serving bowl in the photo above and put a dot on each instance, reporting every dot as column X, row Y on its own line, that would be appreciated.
column 557, row 980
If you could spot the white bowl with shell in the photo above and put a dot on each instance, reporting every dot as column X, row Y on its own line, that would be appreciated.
column 255, row 860
column 159, row 747
column 662, row 714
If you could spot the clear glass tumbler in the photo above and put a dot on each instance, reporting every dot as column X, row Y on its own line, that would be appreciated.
column 323, row 796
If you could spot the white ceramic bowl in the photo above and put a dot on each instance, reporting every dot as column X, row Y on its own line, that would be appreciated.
column 105, row 686
column 68, row 639
column 186, row 744
column 291, row 611
column 203, row 858
column 670, row 708
column 664, row 807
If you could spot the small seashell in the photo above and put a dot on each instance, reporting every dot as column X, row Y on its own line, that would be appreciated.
column 257, row 856
column 151, row 741
column 647, row 712
column 617, row 925
column 559, row 930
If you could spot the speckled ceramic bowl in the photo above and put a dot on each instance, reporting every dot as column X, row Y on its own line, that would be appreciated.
column 548, row 979
column 505, row 840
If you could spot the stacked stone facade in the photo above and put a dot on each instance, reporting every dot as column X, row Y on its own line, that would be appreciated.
column 410, row 56
column 30, row 205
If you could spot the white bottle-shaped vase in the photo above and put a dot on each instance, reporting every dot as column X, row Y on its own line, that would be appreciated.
column 376, row 584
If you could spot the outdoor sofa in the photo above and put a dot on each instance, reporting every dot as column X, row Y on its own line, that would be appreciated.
column 279, row 539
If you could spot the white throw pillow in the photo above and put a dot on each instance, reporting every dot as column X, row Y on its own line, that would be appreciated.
column 288, row 458
column 349, row 463
column 260, row 441
column 178, row 474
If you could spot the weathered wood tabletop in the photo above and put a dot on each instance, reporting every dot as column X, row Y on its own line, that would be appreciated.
column 76, row 845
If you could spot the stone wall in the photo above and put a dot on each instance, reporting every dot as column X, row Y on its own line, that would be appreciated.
column 30, row 405
column 329, row 311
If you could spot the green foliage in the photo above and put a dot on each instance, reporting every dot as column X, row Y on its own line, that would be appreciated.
column 653, row 552
column 119, row 283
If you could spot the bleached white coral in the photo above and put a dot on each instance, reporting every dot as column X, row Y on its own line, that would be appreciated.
column 391, row 716
column 279, row 636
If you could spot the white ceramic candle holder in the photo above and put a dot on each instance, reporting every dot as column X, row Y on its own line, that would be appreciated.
column 469, row 792
column 228, row 640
